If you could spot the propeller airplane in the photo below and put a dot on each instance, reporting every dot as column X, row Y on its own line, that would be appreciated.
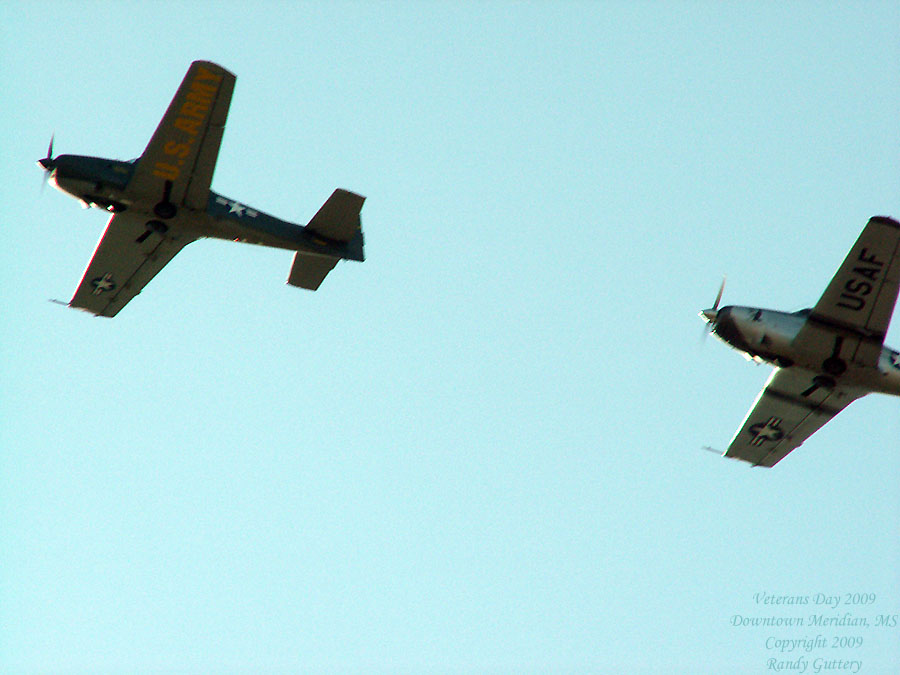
column 824, row 357
column 162, row 201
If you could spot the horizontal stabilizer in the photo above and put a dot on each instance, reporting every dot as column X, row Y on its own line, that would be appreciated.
column 338, row 219
column 310, row 269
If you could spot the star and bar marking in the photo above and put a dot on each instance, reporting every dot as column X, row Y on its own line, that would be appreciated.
column 103, row 284
column 236, row 208
column 766, row 431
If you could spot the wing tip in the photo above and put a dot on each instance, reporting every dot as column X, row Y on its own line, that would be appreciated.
column 213, row 65
column 885, row 220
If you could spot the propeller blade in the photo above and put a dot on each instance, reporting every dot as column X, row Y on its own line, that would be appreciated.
column 47, row 164
column 710, row 315
column 719, row 295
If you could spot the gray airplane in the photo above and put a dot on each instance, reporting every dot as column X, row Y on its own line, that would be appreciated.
column 825, row 357
column 162, row 201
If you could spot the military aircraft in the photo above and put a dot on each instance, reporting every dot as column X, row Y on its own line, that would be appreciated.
column 825, row 357
column 162, row 201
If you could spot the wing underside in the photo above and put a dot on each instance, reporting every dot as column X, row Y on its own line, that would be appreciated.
column 178, row 162
column 792, row 406
column 859, row 301
column 126, row 259
column 175, row 169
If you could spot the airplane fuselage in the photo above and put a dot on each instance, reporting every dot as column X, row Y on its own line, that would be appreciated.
column 765, row 335
column 104, row 184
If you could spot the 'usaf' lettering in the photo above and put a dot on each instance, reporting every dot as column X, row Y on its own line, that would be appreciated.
column 856, row 288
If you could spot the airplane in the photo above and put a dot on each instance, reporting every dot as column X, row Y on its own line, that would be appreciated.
column 162, row 201
column 825, row 357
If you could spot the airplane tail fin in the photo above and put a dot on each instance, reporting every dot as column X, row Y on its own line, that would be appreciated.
column 338, row 219
column 339, row 224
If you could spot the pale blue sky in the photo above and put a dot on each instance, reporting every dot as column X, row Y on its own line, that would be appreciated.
column 481, row 448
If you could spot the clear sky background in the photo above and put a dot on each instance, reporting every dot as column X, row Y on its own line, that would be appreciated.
column 480, row 450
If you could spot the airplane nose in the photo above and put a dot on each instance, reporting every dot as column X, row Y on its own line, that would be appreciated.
column 709, row 315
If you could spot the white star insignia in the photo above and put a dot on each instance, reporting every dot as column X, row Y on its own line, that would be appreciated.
column 103, row 284
column 236, row 208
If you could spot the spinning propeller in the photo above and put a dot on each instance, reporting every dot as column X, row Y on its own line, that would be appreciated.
column 710, row 315
column 47, row 164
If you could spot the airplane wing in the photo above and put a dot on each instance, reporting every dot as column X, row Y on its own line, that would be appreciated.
column 126, row 259
column 789, row 409
column 860, row 299
column 178, row 162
